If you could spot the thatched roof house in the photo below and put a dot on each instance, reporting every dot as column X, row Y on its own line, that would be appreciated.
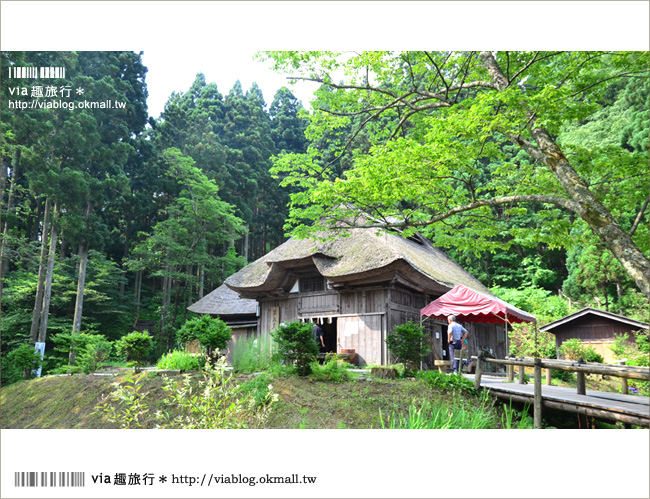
column 356, row 287
column 223, row 301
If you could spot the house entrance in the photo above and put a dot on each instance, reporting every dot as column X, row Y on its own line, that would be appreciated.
column 329, row 334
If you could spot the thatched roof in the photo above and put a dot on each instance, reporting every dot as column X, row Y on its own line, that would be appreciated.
column 224, row 301
column 362, row 255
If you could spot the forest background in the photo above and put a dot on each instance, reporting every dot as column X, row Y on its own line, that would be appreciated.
column 111, row 217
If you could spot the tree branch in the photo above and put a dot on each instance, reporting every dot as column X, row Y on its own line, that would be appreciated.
column 639, row 216
column 530, row 198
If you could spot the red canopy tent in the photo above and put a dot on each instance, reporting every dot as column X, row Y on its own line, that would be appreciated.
column 469, row 305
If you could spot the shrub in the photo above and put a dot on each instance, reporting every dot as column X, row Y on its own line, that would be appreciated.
column 573, row 349
column 212, row 333
column 181, row 360
column 89, row 351
column 408, row 343
column 331, row 371
column 23, row 360
column 296, row 343
column 135, row 346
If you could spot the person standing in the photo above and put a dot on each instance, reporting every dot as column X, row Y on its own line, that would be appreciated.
column 456, row 336
column 318, row 337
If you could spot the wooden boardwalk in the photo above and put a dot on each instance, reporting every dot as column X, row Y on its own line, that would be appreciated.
column 630, row 409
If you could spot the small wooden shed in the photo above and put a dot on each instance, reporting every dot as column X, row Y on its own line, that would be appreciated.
column 594, row 327
column 356, row 287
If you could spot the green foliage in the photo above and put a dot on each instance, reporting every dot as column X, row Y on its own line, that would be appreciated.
column 125, row 405
column 331, row 371
column 449, row 382
column 211, row 332
column 18, row 361
column 135, row 346
column 89, row 350
column 260, row 389
column 178, row 359
column 513, row 419
column 480, row 164
column 636, row 355
column 253, row 353
column 408, row 343
column 215, row 402
column 296, row 343
column 574, row 349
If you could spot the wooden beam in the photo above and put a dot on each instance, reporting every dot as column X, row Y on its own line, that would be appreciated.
column 537, row 399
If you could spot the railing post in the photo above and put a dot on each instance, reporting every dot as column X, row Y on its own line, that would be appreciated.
column 548, row 376
column 522, row 374
column 580, row 383
column 511, row 371
column 624, row 388
column 479, row 371
column 537, row 407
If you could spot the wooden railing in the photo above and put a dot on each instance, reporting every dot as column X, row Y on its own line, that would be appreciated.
column 580, row 368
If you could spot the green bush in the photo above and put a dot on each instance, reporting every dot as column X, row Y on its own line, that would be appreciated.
column 89, row 350
column 408, row 343
column 178, row 359
column 296, row 343
column 212, row 333
column 135, row 347
column 574, row 349
column 24, row 359
column 330, row 371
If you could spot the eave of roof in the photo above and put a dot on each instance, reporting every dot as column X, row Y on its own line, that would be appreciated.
column 593, row 311
column 363, row 251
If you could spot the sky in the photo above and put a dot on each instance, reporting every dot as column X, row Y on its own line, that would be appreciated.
column 222, row 68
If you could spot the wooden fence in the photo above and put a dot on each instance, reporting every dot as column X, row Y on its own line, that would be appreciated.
column 580, row 368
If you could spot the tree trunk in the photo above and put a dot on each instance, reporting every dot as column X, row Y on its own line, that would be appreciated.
column 81, row 284
column 619, row 293
column 246, row 244
column 42, row 264
column 47, row 293
column 201, row 281
column 4, row 261
column 136, row 296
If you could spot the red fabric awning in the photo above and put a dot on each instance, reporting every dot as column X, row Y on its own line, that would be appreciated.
column 473, row 306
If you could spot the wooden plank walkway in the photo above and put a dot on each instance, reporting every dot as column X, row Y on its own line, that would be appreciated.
column 632, row 409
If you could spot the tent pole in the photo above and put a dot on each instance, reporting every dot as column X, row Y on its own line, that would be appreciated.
column 506, row 333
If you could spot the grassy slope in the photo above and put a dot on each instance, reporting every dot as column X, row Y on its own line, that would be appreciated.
column 68, row 402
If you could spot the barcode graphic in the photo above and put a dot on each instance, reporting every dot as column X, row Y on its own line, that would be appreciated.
column 50, row 479
column 44, row 72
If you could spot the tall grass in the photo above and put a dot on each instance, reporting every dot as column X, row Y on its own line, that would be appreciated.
column 439, row 415
column 253, row 353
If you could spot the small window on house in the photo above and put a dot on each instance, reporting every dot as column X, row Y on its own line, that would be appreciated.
column 501, row 335
column 312, row 284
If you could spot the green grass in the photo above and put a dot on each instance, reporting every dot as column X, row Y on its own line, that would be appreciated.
column 69, row 401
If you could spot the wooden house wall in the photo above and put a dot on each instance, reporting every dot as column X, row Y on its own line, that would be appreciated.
column 592, row 328
column 364, row 318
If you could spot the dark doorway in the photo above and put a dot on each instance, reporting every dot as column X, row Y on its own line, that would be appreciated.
column 329, row 334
